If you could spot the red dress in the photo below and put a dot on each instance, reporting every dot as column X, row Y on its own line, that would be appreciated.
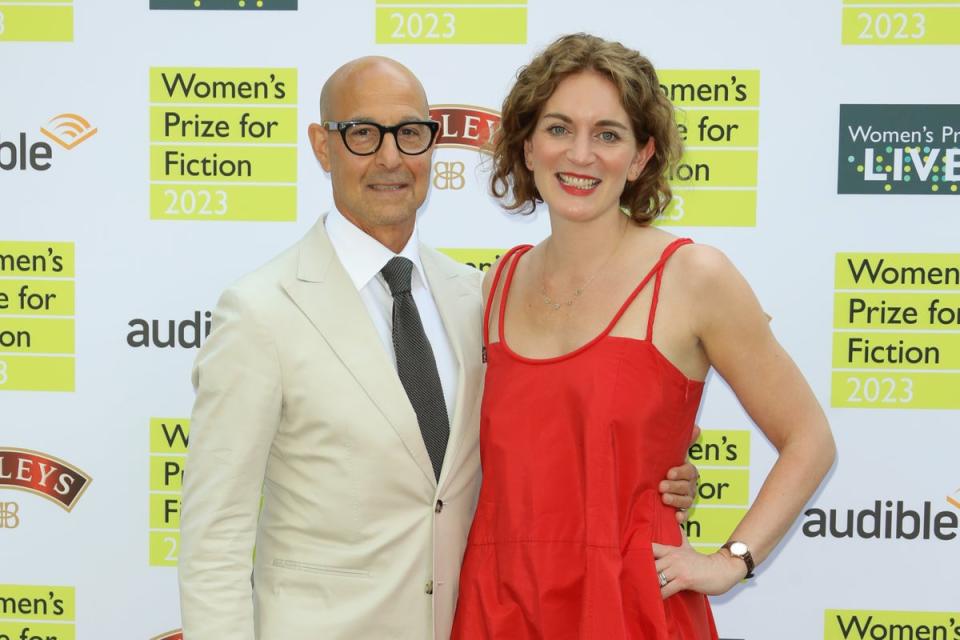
column 573, row 449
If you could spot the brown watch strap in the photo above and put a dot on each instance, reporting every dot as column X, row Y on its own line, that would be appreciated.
column 745, row 556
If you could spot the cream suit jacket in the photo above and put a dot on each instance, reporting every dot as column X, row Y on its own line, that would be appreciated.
column 296, row 396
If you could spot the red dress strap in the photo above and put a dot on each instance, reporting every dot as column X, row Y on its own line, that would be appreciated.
column 669, row 251
column 507, row 258
column 656, row 270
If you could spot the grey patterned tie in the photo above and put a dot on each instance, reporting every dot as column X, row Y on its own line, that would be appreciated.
column 416, row 364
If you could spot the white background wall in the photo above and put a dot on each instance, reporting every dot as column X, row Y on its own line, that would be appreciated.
column 129, row 266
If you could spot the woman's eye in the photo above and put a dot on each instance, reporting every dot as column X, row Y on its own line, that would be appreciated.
column 556, row 129
column 609, row 136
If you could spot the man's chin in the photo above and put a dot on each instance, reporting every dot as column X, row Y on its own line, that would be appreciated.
column 392, row 215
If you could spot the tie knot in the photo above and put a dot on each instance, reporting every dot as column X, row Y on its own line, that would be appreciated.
column 397, row 273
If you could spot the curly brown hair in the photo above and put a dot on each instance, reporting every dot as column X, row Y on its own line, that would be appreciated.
column 650, row 111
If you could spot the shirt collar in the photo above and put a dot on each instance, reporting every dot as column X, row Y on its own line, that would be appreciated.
column 362, row 256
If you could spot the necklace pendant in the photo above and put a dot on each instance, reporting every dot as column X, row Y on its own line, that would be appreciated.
column 555, row 305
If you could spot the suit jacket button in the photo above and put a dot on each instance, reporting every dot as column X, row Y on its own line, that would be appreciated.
column 429, row 588
column 439, row 506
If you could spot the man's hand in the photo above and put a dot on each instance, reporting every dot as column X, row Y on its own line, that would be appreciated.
column 679, row 489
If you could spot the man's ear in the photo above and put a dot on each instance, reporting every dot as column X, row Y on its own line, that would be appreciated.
column 319, row 136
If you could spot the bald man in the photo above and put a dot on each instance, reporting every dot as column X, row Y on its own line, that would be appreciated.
column 342, row 380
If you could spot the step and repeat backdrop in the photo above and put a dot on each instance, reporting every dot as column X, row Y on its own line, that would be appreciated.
column 151, row 152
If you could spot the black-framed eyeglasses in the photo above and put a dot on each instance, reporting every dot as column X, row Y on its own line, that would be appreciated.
column 363, row 138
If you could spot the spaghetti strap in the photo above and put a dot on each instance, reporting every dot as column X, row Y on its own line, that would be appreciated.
column 657, row 269
column 507, row 257
column 516, row 252
column 669, row 251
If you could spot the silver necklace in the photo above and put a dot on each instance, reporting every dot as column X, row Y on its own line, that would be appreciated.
column 556, row 305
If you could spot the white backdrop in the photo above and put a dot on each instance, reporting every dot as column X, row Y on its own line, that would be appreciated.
column 789, row 200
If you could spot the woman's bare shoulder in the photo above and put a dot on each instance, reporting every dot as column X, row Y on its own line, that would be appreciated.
column 702, row 266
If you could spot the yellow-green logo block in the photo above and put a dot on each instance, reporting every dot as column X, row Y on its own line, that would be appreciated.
column 692, row 207
column 480, row 259
column 164, row 511
column 711, row 527
column 29, row 373
column 451, row 22
column 61, row 601
column 33, row 21
column 895, row 390
column 900, row 22
column 33, row 630
column 222, row 202
column 223, row 85
column 845, row 624
column 164, row 548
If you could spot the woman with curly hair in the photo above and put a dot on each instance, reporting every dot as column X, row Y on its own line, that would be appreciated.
column 598, row 340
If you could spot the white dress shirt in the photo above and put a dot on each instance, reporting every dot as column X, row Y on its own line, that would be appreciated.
column 363, row 257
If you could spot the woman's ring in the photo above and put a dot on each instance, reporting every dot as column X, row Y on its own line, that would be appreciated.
column 662, row 578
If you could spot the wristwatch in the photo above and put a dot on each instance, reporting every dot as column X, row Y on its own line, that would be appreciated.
column 740, row 550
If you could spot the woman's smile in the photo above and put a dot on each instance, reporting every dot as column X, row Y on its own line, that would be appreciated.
column 577, row 184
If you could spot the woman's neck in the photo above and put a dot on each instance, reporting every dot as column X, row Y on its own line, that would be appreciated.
column 577, row 248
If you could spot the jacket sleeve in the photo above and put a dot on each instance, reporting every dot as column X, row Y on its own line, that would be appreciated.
column 237, row 379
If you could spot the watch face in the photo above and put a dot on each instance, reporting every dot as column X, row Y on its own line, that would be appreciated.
column 738, row 548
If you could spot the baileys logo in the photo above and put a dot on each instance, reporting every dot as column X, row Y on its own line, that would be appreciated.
column 465, row 126
column 42, row 474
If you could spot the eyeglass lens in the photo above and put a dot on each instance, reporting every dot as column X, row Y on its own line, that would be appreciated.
column 365, row 138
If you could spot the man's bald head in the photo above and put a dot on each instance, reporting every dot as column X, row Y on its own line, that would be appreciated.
column 372, row 72
column 381, row 191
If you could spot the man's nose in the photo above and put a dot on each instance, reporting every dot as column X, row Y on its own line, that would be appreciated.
column 388, row 155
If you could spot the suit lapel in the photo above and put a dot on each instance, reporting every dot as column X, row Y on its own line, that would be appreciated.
column 324, row 293
column 457, row 302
